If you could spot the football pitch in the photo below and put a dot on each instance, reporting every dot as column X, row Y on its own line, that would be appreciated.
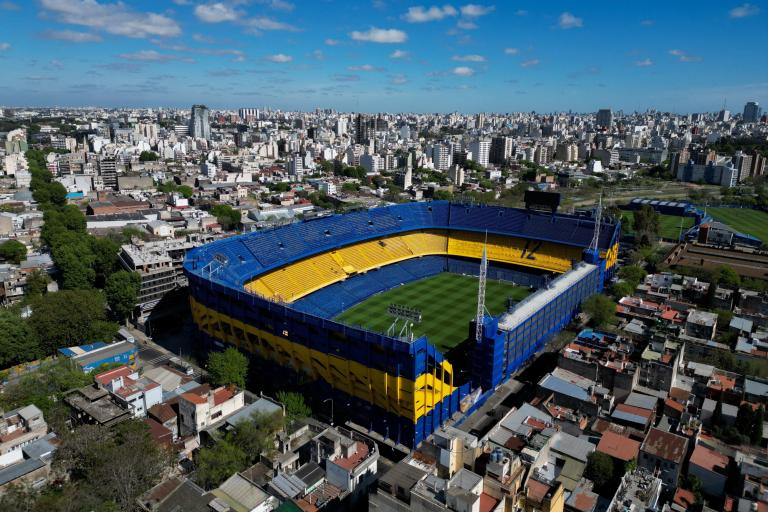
column 447, row 303
column 669, row 225
column 745, row 220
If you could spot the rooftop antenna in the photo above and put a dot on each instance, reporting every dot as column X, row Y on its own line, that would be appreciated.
column 481, row 292
column 595, row 243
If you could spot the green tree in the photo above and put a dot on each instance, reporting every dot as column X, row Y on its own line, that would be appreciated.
column 745, row 418
column 442, row 194
column 646, row 222
column 70, row 317
column 148, row 156
column 295, row 406
column 622, row 289
column 228, row 368
column 18, row 341
column 756, row 429
column 122, row 291
column 186, row 191
column 216, row 464
column 105, row 257
column 599, row 469
column 633, row 274
column 37, row 283
column 13, row 251
column 226, row 216
column 600, row 308
column 256, row 435
column 726, row 277
column 717, row 414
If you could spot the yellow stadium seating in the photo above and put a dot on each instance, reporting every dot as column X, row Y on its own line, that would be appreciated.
column 301, row 278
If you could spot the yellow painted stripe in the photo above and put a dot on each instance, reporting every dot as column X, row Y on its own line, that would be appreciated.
column 395, row 394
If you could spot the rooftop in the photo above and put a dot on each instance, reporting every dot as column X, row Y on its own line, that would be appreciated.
column 665, row 445
column 618, row 446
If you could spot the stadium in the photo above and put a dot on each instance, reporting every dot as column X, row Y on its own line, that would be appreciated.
column 314, row 297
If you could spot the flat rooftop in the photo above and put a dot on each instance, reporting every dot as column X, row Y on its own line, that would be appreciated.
column 541, row 298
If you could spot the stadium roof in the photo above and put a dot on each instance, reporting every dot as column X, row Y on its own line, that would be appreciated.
column 237, row 259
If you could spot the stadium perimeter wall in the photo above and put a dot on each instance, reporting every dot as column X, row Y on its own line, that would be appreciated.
column 402, row 390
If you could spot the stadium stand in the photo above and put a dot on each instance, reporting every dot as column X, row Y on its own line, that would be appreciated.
column 241, row 288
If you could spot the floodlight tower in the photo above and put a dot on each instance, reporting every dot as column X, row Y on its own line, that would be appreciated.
column 481, row 295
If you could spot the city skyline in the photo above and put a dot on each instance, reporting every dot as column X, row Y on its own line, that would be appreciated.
column 383, row 56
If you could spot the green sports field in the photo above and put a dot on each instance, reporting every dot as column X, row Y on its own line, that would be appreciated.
column 447, row 302
column 669, row 224
column 751, row 222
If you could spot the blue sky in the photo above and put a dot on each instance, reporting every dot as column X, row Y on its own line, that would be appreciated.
column 385, row 55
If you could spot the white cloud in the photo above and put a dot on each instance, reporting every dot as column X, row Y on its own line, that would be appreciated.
column 5, row 46
column 466, row 25
column 644, row 63
column 202, row 38
column 647, row 23
column 684, row 56
column 568, row 20
column 380, row 35
column 511, row 51
column 9, row 6
column 364, row 67
column 474, row 10
column 71, row 36
column 399, row 80
column 262, row 23
column 468, row 58
column 149, row 56
column 115, row 18
column 279, row 58
column 332, row 42
column 281, row 5
column 216, row 13
column 399, row 54
column 317, row 55
column 419, row 14
column 744, row 11
column 463, row 71
column 530, row 63
column 521, row 12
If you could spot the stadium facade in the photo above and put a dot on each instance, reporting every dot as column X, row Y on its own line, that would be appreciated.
column 275, row 293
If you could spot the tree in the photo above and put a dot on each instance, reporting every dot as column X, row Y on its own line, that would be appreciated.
column 13, row 251
column 122, row 291
column 600, row 308
column 228, row 368
column 727, row 277
column 70, row 317
column 442, row 194
column 148, row 156
column 18, row 341
column 717, row 414
column 646, row 222
column 226, row 216
column 216, row 464
column 756, row 430
column 37, row 283
column 105, row 257
column 745, row 419
column 256, row 435
column 622, row 289
column 295, row 407
column 633, row 274
column 599, row 469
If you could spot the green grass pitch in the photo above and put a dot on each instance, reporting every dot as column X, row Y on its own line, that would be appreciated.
column 751, row 222
column 669, row 224
column 447, row 302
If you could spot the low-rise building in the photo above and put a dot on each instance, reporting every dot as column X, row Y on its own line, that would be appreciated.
column 137, row 394
column 202, row 407
column 663, row 454
column 711, row 468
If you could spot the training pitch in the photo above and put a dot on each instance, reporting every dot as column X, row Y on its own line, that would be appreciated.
column 669, row 225
column 447, row 303
column 745, row 220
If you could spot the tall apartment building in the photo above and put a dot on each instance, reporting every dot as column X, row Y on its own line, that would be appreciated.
column 501, row 150
column 481, row 150
column 442, row 157
column 363, row 131
column 752, row 112
column 604, row 118
column 199, row 123
column 108, row 172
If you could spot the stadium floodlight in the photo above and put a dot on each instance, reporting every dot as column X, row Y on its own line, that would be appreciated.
column 400, row 312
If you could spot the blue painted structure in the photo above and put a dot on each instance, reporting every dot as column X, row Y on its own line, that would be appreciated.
column 218, row 271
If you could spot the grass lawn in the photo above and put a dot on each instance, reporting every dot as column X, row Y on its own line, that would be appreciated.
column 670, row 224
column 447, row 303
column 751, row 222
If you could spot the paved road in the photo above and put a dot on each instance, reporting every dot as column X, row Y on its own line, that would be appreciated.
column 152, row 355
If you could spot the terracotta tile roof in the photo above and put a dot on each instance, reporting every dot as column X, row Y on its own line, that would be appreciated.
column 355, row 459
column 536, row 491
column 221, row 395
column 674, row 405
column 709, row 459
column 194, row 398
column 115, row 373
column 665, row 445
column 162, row 412
column 618, row 446
column 684, row 498
column 487, row 503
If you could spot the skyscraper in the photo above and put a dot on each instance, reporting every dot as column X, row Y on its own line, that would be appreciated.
column 362, row 129
column 199, row 124
column 605, row 118
column 501, row 150
column 752, row 112
column 480, row 151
